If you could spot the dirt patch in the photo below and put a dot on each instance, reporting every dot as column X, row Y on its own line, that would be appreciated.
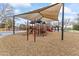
column 50, row 45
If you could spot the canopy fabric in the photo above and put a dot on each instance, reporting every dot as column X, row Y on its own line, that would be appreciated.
column 49, row 12
column 31, row 16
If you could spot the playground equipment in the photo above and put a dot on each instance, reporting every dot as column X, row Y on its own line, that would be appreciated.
column 49, row 12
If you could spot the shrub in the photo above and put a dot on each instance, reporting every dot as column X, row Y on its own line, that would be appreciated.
column 76, row 27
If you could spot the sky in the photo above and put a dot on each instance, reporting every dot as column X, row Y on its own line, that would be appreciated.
column 71, row 9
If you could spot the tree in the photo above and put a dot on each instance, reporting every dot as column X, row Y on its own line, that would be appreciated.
column 76, row 25
column 8, row 23
column 77, row 18
column 2, row 25
column 6, row 14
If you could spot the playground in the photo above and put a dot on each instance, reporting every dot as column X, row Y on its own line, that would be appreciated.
column 38, row 37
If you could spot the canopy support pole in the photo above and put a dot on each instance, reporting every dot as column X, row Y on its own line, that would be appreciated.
column 13, row 25
column 34, row 33
column 27, row 31
column 62, row 29
column 39, row 30
column 58, row 26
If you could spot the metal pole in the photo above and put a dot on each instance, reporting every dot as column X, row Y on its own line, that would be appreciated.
column 13, row 25
column 58, row 26
column 27, row 31
column 34, row 33
column 62, row 29
column 39, row 28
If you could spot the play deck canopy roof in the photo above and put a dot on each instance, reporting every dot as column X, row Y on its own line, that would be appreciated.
column 49, row 12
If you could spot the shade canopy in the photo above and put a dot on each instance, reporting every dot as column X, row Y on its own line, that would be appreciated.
column 49, row 12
